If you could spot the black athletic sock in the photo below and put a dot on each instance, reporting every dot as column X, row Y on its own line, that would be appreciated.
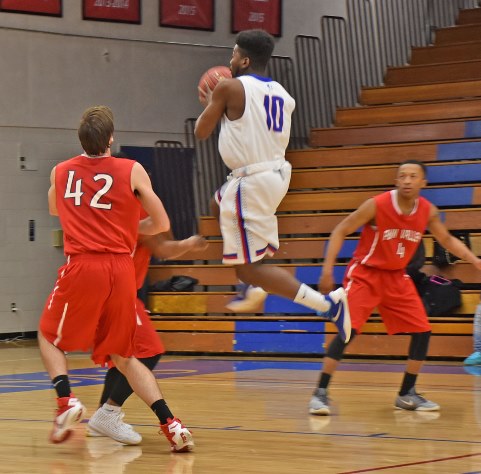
column 324, row 380
column 61, row 385
column 162, row 411
column 409, row 381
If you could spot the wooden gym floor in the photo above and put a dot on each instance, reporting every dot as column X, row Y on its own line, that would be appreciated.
column 249, row 416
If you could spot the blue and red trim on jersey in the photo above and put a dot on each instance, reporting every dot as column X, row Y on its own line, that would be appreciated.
column 230, row 256
column 269, row 248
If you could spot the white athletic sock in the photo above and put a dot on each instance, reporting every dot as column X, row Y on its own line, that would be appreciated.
column 311, row 298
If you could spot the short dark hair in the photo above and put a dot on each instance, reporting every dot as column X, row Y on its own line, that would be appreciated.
column 416, row 162
column 257, row 45
column 95, row 129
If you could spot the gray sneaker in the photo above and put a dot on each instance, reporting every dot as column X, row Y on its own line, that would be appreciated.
column 319, row 404
column 414, row 401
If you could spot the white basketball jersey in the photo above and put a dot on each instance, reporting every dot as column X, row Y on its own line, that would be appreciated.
column 262, row 133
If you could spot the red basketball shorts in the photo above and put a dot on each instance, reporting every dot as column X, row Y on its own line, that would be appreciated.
column 92, row 306
column 392, row 292
column 147, row 342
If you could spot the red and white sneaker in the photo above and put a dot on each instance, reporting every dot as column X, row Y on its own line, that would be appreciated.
column 180, row 438
column 69, row 413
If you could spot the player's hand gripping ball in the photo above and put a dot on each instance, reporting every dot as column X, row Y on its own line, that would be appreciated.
column 210, row 79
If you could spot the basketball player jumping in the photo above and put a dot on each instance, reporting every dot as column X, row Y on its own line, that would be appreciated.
column 255, row 114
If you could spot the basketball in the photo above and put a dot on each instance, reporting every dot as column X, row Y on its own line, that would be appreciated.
column 209, row 80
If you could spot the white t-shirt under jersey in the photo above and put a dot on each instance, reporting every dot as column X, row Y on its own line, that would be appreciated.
column 262, row 133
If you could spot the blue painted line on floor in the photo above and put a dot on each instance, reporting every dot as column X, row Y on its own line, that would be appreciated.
column 185, row 368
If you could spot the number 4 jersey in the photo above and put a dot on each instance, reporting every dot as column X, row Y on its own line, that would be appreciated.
column 97, row 208
column 262, row 133
column 391, row 243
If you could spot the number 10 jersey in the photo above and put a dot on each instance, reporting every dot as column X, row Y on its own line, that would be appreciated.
column 262, row 133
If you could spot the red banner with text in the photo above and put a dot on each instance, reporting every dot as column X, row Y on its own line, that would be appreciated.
column 44, row 7
column 127, row 11
column 194, row 14
column 252, row 14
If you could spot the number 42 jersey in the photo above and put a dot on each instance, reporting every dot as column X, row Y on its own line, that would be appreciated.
column 97, row 208
column 262, row 133
column 391, row 243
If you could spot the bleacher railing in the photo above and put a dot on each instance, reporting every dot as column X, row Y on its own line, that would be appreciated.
column 328, row 71
column 355, row 51
column 209, row 169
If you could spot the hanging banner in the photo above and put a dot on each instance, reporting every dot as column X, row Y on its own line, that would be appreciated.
column 124, row 11
column 38, row 7
column 193, row 14
column 257, row 14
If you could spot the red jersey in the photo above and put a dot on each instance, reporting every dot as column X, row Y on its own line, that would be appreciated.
column 96, row 206
column 391, row 243
column 141, row 258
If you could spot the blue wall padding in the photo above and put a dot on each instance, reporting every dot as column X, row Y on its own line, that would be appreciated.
column 347, row 249
column 301, row 343
column 277, row 304
column 278, row 326
column 454, row 173
column 458, row 151
column 473, row 129
column 310, row 275
column 449, row 196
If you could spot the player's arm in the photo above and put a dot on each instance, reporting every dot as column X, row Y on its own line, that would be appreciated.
column 158, row 220
column 448, row 241
column 361, row 216
column 217, row 102
column 52, row 195
column 163, row 247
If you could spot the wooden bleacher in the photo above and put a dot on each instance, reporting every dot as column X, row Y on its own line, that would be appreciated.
column 385, row 153
column 447, row 172
column 460, row 33
column 469, row 16
column 446, row 53
column 437, row 72
column 413, row 112
column 317, row 223
column 395, row 133
column 429, row 111
column 420, row 93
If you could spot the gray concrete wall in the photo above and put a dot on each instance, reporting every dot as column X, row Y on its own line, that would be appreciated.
column 51, row 69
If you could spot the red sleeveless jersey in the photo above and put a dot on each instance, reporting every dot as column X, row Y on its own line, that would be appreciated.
column 392, row 242
column 141, row 258
column 97, row 208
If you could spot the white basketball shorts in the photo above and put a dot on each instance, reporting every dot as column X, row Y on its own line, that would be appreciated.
column 248, row 202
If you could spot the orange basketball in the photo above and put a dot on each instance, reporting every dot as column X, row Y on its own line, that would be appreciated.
column 210, row 78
